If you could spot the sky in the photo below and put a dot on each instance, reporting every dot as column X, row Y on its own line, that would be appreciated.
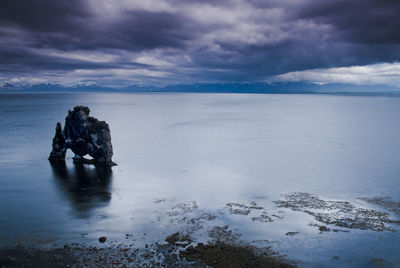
column 162, row 42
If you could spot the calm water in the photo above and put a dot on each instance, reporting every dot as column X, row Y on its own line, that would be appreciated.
column 212, row 149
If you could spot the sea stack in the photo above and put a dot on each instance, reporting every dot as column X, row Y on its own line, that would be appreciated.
column 84, row 135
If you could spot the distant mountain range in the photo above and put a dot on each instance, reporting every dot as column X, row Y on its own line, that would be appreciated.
column 260, row 88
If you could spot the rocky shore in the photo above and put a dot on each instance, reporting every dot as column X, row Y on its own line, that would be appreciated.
column 172, row 254
column 204, row 241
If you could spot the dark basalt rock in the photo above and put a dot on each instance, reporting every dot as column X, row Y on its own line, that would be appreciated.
column 84, row 135
column 59, row 145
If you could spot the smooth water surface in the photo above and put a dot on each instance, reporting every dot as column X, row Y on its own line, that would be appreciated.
column 211, row 149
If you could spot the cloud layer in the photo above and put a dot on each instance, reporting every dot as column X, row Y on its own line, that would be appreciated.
column 122, row 42
column 383, row 73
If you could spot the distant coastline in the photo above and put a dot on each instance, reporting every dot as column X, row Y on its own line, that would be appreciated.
column 246, row 88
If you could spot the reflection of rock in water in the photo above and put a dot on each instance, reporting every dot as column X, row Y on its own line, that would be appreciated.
column 86, row 187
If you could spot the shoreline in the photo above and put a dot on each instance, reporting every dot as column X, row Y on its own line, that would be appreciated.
column 174, row 253
column 202, row 241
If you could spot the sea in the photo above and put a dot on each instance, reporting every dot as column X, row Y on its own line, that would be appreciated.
column 314, row 177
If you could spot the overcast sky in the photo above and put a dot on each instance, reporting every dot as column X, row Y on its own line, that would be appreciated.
column 158, row 42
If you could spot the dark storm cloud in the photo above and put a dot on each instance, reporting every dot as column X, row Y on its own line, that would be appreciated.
column 321, row 34
column 39, row 15
column 149, row 30
column 358, row 21
column 20, row 60
column 72, row 25
column 195, row 40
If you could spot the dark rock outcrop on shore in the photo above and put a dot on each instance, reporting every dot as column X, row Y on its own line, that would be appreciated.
column 84, row 135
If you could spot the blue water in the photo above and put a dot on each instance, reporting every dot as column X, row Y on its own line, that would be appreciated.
column 208, row 148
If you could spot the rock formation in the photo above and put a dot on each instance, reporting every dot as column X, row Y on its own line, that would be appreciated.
column 84, row 135
column 59, row 148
